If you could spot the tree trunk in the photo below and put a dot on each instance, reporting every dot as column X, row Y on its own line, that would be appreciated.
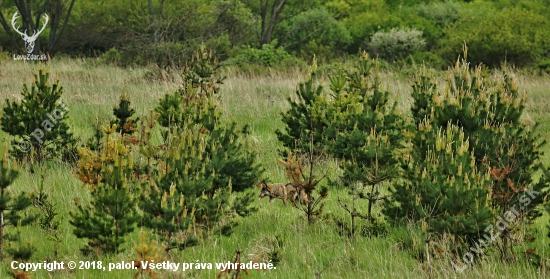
column 371, row 200
column 153, row 24
column 269, row 24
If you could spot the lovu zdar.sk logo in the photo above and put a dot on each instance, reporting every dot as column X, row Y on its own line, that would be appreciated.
column 29, row 40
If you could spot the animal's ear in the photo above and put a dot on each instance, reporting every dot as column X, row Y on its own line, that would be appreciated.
column 261, row 184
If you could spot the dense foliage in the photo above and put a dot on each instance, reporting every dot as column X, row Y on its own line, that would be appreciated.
column 166, row 33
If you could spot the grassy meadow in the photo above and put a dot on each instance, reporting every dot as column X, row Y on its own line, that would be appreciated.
column 277, row 232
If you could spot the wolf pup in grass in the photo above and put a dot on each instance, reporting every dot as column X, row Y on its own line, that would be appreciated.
column 284, row 191
column 275, row 191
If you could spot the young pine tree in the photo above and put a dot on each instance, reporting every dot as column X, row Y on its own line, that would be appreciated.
column 112, row 213
column 39, row 121
column 125, row 121
column 450, row 191
column 124, row 113
column 205, row 159
column 488, row 112
column 303, row 141
column 365, row 132
column 303, row 130
column 182, row 194
column 193, row 105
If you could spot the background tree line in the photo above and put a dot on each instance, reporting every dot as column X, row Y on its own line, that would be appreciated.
column 271, row 32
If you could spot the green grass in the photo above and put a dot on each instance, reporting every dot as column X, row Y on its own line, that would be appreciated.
column 275, row 231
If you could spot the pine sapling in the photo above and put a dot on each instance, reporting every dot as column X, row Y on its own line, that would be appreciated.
column 300, row 120
column 365, row 133
column 147, row 251
column 112, row 213
column 39, row 122
column 488, row 112
column 124, row 113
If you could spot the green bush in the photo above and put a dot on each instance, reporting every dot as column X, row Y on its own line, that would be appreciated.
column 269, row 56
column 442, row 14
column 315, row 30
column 514, row 35
column 112, row 56
column 397, row 43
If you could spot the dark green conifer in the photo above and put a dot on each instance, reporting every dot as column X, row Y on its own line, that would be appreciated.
column 301, row 125
column 365, row 132
column 205, row 159
column 126, row 125
column 112, row 213
column 39, row 121
column 451, row 192
column 488, row 113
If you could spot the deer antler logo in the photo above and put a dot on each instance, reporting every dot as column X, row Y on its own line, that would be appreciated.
column 29, row 40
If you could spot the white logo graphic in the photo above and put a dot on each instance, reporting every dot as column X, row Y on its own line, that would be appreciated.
column 29, row 40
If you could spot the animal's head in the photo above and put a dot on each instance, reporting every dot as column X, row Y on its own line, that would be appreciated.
column 266, row 190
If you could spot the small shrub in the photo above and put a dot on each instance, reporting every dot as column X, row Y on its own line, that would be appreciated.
column 112, row 56
column 269, row 56
column 124, row 113
column 396, row 44
column 375, row 228
column 442, row 14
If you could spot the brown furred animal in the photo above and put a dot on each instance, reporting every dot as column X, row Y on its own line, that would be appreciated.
column 297, row 194
column 274, row 191
column 284, row 191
